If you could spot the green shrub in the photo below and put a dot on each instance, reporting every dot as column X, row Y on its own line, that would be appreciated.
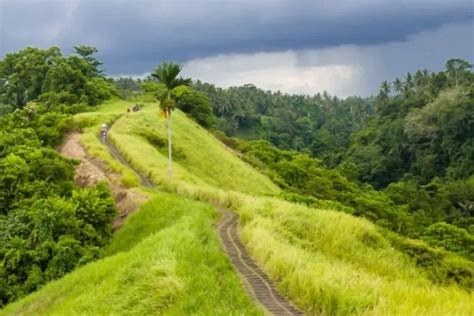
column 198, row 106
column 316, row 203
column 51, row 237
column 5, row 109
column 47, row 226
column 442, row 267
column 451, row 238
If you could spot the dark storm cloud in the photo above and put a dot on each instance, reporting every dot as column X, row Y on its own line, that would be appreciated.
column 133, row 36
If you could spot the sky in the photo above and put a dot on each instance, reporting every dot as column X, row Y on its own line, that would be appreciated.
column 295, row 46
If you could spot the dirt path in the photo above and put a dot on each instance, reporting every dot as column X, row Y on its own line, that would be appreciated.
column 90, row 171
column 256, row 283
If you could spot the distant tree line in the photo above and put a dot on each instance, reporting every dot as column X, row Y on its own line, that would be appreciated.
column 395, row 135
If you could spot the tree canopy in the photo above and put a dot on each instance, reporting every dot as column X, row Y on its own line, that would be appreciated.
column 47, row 75
column 48, row 225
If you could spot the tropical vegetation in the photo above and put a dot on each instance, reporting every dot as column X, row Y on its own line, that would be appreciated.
column 352, row 206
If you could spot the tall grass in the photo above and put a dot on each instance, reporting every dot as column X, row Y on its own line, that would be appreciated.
column 204, row 160
column 326, row 261
column 121, row 106
column 334, row 264
column 165, row 260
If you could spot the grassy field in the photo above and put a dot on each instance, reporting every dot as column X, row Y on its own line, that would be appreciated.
column 200, row 159
column 165, row 260
column 327, row 262
column 331, row 263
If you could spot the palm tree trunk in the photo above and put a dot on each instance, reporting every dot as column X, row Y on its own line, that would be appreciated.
column 170, row 168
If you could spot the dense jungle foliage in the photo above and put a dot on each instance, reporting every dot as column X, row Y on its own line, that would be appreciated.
column 48, row 225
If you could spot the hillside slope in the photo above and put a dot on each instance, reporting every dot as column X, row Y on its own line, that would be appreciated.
column 165, row 260
column 327, row 262
column 199, row 158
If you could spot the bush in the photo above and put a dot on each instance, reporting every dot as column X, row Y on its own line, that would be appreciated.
column 442, row 267
column 198, row 106
column 316, row 203
column 5, row 109
column 229, row 141
column 451, row 238
column 51, row 237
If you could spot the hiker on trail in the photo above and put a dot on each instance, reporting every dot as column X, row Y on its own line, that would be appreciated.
column 104, row 131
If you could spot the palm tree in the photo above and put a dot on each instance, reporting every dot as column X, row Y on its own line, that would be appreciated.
column 385, row 88
column 456, row 69
column 397, row 85
column 167, row 74
column 382, row 97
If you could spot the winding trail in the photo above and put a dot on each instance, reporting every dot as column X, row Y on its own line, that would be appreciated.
column 116, row 154
column 257, row 284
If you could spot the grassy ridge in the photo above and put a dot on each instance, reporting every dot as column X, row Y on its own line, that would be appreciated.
column 200, row 159
column 90, row 124
column 325, row 261
column 165, row 260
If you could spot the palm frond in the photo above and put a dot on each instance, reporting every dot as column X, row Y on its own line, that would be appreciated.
column 167, row 73
column 183, row 81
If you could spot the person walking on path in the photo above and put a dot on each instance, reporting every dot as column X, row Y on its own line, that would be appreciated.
column 103, row 132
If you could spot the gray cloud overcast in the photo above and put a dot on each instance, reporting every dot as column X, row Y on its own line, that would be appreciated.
column 134, row 36
column 343, row 70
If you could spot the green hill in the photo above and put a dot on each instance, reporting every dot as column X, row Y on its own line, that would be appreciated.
column 200, row 159
column 166, row 258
